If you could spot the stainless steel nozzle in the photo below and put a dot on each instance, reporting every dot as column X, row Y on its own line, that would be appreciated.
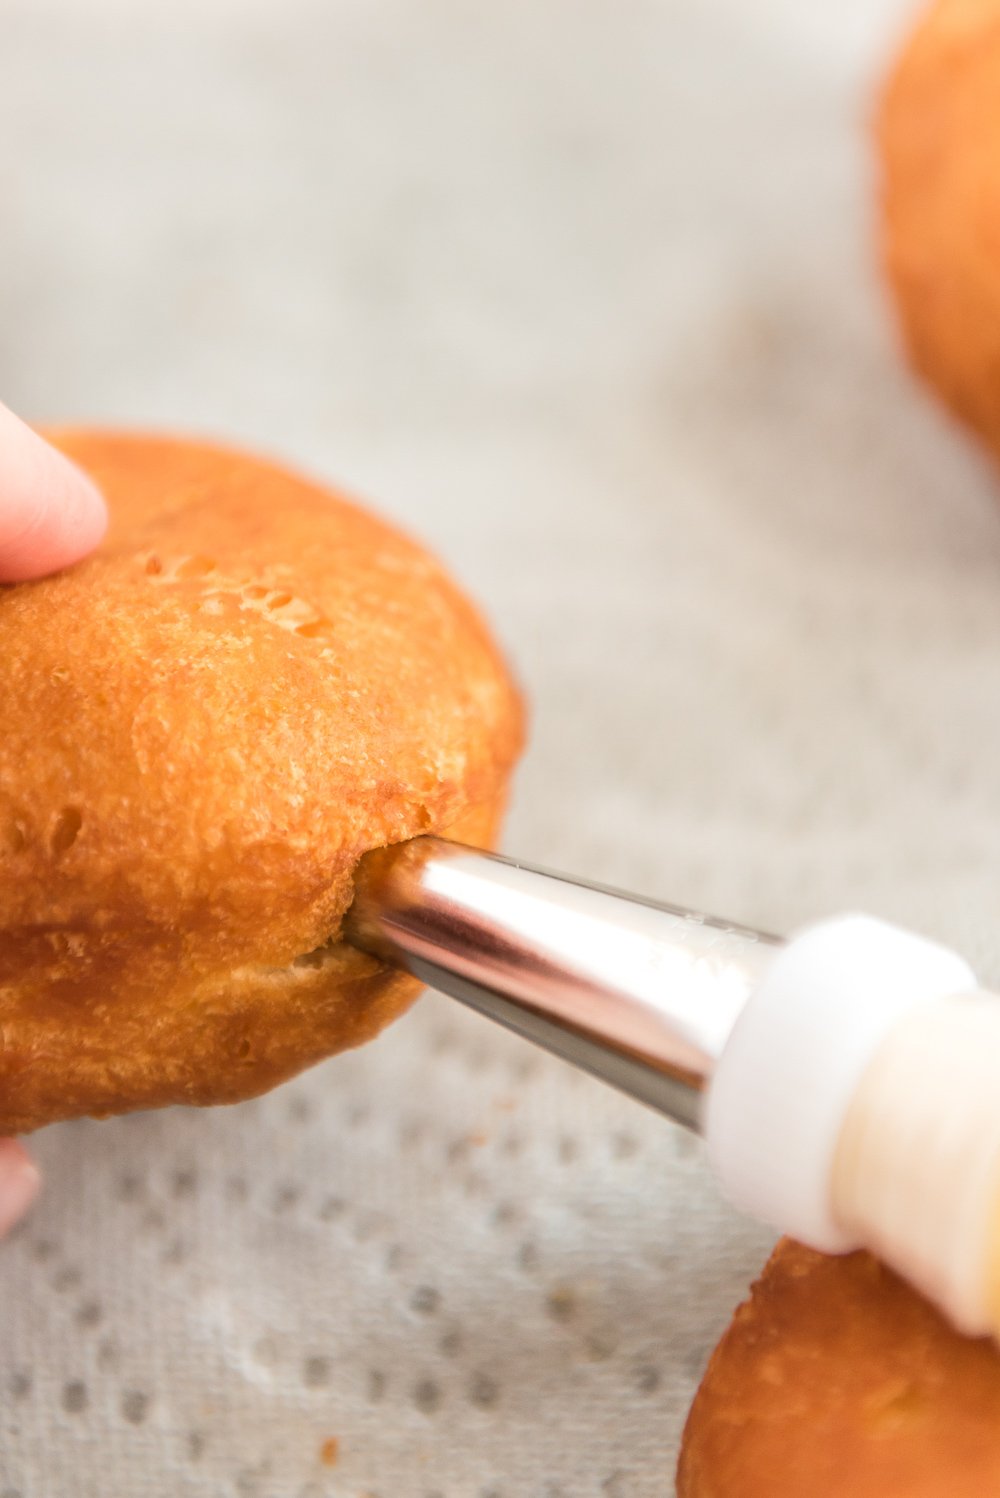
column 640, row 994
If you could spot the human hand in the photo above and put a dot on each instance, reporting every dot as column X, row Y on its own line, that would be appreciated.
column 50, row 516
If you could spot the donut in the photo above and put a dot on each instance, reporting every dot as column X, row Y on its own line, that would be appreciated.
column 938, row 135
column 836, row 1380
column 203, row 728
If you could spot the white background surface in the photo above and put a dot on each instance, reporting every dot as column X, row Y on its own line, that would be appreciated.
column 583, row 293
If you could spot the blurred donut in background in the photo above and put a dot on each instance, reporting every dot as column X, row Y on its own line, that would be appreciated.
column 938, row 130
column 836, row 1380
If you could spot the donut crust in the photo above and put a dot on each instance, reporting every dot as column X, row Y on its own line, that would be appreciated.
column 204, row 727
column 836, row 1380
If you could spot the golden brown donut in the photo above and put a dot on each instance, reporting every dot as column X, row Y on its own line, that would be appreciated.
column 939, row 141
column 203, row 728
column 836, row 1380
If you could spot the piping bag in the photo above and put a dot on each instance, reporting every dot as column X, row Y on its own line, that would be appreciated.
column 846, row 1081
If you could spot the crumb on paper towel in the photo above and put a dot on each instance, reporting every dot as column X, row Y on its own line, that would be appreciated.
column 562, row 1302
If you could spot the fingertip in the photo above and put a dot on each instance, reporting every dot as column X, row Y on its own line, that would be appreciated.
column 51, row 514
column 20, row 1183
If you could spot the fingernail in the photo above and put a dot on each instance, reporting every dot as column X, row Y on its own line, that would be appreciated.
column 19, row 1185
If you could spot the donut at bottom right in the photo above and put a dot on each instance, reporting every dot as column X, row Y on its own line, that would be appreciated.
column 836, row 1380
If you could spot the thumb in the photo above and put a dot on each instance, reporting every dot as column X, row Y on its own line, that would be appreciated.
column 50, row 513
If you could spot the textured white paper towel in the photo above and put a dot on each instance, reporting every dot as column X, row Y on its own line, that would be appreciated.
column 582, row 292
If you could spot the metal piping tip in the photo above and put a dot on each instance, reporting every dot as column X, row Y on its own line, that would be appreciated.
column 854, row 1105
column 640, row 994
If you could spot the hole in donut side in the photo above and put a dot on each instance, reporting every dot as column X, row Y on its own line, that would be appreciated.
column 901, row 1404
column 315, row 629
column 15, row 839
column 196, row 566
column 66, row 830
column 318, row 956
